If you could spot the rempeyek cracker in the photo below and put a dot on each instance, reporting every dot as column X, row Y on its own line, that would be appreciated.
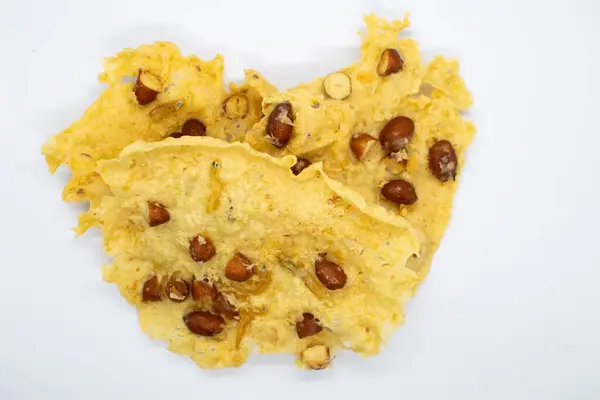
column 395, row 134
column 307, row 239
column 153, row 92
column 298, row 261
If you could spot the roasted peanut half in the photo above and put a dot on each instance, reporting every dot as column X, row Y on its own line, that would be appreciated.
column 204, row 323
column 151, row 289
column 316, row 357
column 308, row 326
column 236, row 106
column 165, row 110
column 337, row 85
column 239, row 268
column 301, row 165
column 177, row 289
column 193, row 127
column 331, row 275
column 399, row 191
column 146, row 88
column 202, row 248
column 360, row 144
column 280, row 125
column 222, row 306
column 390, row 62
column 396, row 134
column 157, row 214
column 443, row 161
column 203, row 290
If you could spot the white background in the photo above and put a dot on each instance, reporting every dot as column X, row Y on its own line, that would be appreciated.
column 511, row 307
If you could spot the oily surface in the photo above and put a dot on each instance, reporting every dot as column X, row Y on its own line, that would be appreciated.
column 152, row 195
column 281, row 231
column 191, row 88
column 432, row 96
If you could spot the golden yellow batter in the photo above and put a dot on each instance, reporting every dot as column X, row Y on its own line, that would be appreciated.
column 225, row 246
column 188, row 88
column 233, row 196
column 322, row 121
column 323, row 126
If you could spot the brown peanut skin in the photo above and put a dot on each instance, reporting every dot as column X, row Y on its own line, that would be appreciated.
column 202, row 252
column 331, row 275
column 157, row 214
column 151, row 289
column 204, row 323
column 308, row 326
column 202, row 290
column 396, row 134
column 222, row 306
column 443, row 162
column 278, row 132
column 193, row 127
column 399, row 191
column 301, row 165
column 390, row 62
column 143, row 94
column 359, row 144
column 239, row 268
column 177, row 289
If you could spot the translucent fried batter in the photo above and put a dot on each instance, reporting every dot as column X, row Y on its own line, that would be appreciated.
column 277, row 220
column 190, row 88
column 321, row 121
column 116, row 119
column 322, row 242
column 432, row 97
